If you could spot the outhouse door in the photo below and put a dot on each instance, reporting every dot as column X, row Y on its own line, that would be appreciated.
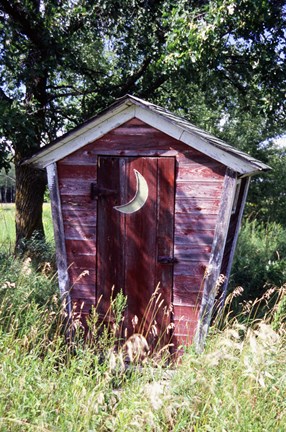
column 135, row 225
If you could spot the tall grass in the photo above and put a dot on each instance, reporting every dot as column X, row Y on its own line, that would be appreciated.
column 237, row 384
column 260, row 258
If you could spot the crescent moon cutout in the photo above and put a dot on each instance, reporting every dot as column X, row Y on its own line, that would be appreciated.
column 140, row 197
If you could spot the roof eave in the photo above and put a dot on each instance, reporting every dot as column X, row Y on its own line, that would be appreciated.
column 129, row 107
column 82, row 135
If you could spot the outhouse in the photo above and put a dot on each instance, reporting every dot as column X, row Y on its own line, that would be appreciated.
column 141, row 198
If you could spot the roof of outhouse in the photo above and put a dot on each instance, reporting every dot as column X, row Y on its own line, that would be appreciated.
column 129, row 107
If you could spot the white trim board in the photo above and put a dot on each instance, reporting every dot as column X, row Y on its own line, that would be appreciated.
column 170, row 124
column 81, row 137
column 194, row 141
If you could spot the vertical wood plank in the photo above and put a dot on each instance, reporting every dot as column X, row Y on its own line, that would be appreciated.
column 59, row 235
column 214, row 267
column 110, row 236
column 165, row 241
column 140, row 267
column 128, row 245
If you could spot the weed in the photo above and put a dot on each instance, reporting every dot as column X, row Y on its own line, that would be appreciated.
column 46, row 386
column 260, row 259
column 237, row 384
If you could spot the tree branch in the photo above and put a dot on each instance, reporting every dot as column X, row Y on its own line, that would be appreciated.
column 154, row 86
column 26, row 25
column 133, row 78
column 236, row 84
column 71, row 93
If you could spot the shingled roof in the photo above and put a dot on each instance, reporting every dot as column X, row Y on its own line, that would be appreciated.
column 128, row 107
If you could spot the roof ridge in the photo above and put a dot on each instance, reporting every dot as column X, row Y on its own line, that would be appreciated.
column 184, row 131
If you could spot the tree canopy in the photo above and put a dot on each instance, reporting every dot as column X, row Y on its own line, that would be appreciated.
column 220, row 63
column 64, row 60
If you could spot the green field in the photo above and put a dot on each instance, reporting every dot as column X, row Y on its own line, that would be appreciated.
column 7, row 224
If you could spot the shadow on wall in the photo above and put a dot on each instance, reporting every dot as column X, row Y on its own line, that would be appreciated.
column 167, row 241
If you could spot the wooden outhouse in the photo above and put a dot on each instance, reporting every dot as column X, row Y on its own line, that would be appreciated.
column 142, row 197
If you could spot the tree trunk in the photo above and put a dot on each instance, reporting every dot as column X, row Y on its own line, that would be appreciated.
column 30, row 188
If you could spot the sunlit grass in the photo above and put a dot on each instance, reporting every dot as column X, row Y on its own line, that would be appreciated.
column 237, row 384
column 7, row 224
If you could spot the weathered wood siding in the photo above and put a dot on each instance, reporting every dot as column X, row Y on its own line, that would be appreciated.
column 199, row 182
column 79, row 218
column 199, row 188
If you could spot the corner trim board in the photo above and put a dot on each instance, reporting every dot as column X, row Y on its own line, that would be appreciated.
column 61, row 255
column 212, row 274
column 234, row 241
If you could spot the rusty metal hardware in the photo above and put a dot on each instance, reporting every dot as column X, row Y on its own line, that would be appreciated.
column 96, row 192
column 167, row 260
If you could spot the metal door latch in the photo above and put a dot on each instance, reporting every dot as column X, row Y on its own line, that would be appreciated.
column 96, row 192
column 167, row 260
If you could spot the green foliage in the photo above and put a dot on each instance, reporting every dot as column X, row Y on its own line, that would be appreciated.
column 226, row 61
column 63, row 62
column 279, row 318
column 260, row 258
column 7, row 224
column 235, row 50
column 232, row 383
column 220, row 63
column 20, row 284
column 107, row 333
column 267, row 199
